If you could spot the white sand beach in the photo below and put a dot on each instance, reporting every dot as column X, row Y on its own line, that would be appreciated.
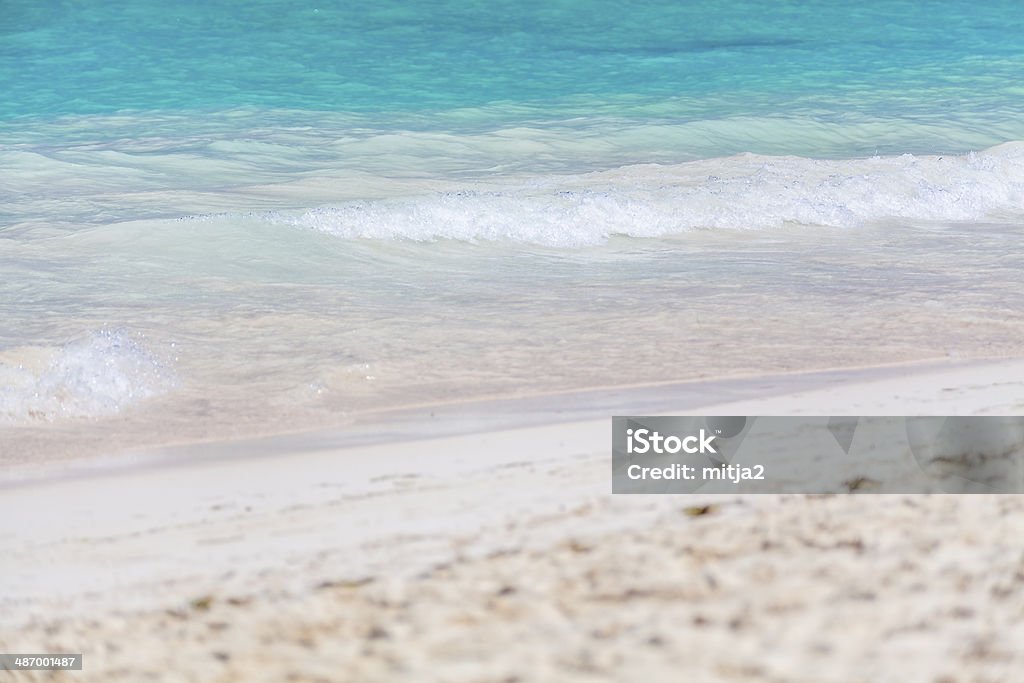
column 480, row 542
column 327, row 330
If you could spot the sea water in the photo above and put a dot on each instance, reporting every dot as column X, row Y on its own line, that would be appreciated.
column 221, row 218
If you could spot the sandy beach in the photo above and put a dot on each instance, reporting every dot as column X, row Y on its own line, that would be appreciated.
column 480, row 542
column 327, row 331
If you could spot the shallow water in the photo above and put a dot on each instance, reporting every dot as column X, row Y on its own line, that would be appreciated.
column 219, row 219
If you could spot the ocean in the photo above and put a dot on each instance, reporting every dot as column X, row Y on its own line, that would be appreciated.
column 219, row 219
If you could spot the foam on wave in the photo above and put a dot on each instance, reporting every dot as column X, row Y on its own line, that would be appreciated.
column 99, row 374
column 746, row 192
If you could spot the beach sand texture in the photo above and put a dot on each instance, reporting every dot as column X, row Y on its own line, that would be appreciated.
column 499, row 555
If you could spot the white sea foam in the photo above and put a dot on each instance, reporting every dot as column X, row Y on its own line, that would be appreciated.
column 99, row 374
column 746, row 192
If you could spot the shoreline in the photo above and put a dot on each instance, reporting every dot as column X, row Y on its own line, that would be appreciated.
column 194, row 562
column 459, row 441
column 772, row 394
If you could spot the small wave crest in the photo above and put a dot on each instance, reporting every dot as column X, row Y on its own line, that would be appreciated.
column 746, row 192
column 96, row 375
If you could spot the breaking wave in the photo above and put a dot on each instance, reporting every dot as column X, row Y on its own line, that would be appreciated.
column 746, row 192
column 99, row 374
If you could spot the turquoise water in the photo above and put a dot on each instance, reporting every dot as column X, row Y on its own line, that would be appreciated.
column 224, row 217
column 823, row 62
